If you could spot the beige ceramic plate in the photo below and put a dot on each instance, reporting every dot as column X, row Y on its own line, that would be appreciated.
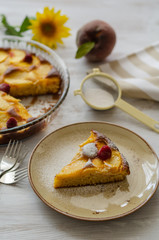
column 104, row 201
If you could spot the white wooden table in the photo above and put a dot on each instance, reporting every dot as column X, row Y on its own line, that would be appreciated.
column 22, row 214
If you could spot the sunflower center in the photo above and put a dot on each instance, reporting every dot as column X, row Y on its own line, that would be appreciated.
column 48, row 29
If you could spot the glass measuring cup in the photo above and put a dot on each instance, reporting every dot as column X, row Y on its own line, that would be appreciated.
column 101, row 92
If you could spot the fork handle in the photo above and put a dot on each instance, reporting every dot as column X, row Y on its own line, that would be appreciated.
column 2, row 172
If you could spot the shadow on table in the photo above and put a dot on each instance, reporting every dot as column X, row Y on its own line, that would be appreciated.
column 133, row 226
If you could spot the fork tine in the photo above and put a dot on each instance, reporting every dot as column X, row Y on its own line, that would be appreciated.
column 18, row 178
column 11, row 149
column 19, row 160
column 18, row 150
column 8, row 147
column 19, row 171
column 22, row 154
column 15, row 148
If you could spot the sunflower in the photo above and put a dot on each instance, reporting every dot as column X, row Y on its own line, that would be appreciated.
column 48, row 27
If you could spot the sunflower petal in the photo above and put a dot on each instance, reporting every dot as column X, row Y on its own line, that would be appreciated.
column 48, row 27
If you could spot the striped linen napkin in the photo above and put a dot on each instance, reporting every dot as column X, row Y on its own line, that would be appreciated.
column 138, row 73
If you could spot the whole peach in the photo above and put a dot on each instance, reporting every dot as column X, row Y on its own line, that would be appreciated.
column 102, row 34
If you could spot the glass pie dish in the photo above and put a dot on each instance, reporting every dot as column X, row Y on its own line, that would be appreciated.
column 41, row 107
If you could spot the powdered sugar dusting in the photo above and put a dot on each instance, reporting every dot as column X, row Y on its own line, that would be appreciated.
column 90, row 150
column 88, row 164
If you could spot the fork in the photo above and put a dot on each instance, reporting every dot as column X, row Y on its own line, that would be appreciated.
column 21, row 157
column 14, row 176
column 11, row 157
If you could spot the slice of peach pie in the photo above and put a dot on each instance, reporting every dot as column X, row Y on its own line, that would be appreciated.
column 12, row 112
column 23, row 74
column 97, row 161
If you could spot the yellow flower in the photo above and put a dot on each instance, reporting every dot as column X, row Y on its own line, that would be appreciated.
column 48, row 27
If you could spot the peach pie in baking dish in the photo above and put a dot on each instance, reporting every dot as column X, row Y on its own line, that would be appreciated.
column 23, row 74
column 97, row 161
